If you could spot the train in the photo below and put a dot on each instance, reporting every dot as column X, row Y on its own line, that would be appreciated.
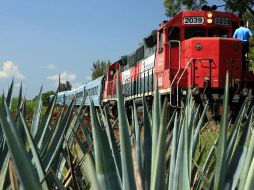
column 190, row 53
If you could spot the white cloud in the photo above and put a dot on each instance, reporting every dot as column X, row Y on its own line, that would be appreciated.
column 11, row 70
column 49, row 66
column 64, row 76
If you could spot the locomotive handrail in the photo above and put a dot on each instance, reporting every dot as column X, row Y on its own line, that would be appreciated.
column 179, row 68
column 187, row 65
column 139, row 76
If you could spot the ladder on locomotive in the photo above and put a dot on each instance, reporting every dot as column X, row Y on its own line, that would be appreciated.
column 181, row 74
column 170, row 42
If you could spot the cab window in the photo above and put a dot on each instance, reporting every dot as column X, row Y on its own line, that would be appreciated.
column 194, row 32
column 174, row 34
column 218, row 33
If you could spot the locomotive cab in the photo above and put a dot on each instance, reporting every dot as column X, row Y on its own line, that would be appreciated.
column 109, row 92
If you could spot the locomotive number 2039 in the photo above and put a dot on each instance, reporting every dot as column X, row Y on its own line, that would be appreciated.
column 193, row 20
column 222, row 21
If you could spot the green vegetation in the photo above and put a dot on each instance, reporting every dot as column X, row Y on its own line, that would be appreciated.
column 251, row 66
column 61, row 152
column 99, row 68
column 30, row 105
column 65, row 86
column 45, row 98
column 240, row 8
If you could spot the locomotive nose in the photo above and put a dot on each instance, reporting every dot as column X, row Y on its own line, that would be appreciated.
column 212, row 58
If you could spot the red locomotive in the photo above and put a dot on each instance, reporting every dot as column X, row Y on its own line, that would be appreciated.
column 192, row 51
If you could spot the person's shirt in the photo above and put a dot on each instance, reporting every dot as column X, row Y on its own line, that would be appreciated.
column 242, row 34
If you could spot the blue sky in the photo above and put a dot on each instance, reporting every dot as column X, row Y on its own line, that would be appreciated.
column 41, row 39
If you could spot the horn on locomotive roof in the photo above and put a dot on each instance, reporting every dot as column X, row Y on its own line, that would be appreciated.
column 209, row 8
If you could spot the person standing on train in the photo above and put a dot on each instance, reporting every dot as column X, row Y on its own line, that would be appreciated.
column 243, row 34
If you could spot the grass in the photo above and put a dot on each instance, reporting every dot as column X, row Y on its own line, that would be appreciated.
column 30, row 105
column 209, row 134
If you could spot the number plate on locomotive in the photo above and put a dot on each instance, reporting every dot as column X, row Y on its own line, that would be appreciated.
column 193, row 20
column 222, row 21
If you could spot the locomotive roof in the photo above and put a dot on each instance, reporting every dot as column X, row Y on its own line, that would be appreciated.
column 178, row 19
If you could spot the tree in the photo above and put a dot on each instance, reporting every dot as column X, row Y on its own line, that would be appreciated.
column 44, row 97
column 99, row 68
column 239, row 7
column 68, row 85
column 174, row 6
column 65, row 86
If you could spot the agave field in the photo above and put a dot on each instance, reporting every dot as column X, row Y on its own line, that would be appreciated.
column 159, row 150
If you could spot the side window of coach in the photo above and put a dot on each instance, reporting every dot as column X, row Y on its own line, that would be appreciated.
column 132, row 60
column 174, row 34
column 140, row 53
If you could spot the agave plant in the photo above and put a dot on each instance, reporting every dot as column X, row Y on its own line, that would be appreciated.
column 160, row 151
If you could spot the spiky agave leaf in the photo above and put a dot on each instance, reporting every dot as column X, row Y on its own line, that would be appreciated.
column 49, row 134
column 181, row 174
column 19, row 100
column 174, row 146
column 155, row 122
column 232, row 140
column 250, row 177
column 237, row 149
column 247, row 162
column 125, row 144
column 147, row 145
column 36, row 158
column 17, row 150
column 138, row 146
column 44, row 123
column 197, row 130
column 57, row 182
column 57, row 138
column 37, row 115
column 159, row 169
column 112, row 142
column 105, row 167
column 3, row 171
column 9, row 95
column 220, row 168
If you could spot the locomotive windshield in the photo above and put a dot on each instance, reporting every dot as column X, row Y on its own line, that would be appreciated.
column 201, row 32
column 218, row 33
column 194, row 32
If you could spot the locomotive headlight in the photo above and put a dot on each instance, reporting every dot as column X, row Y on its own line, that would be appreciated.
column 209, row 21
column 209, row 14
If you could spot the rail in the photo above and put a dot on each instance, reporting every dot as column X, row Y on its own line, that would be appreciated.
column 141, row 86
